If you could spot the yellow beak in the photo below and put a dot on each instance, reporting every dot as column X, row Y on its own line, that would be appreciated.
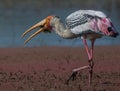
column 43, row 25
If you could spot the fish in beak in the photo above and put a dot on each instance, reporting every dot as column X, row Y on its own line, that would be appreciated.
column 44, row 25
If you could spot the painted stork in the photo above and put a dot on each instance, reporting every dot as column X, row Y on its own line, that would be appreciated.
column 86, row 24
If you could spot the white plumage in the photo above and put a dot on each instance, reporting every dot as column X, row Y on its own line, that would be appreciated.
column 79, row 22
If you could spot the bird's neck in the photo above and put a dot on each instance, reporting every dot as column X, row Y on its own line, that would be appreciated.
column 62, row 31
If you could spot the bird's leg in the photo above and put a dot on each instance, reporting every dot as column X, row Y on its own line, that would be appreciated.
column 90, row 56
column 74, row 73
column 90, row 61
column 91, row 64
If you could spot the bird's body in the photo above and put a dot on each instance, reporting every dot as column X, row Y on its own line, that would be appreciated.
column 82, row 23
column 79, row 23
column 87, row 24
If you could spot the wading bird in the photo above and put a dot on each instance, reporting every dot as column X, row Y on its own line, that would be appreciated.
column 86, row 24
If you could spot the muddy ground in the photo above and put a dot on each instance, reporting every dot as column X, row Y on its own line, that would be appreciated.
column 47, row 68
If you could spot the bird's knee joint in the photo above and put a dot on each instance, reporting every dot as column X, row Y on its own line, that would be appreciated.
column 91, row 63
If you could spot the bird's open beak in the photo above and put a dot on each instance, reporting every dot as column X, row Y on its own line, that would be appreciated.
column 43, row 25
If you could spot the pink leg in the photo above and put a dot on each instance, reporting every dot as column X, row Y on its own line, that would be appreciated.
column 90, row 56
column 90, row 66
column 89, row 50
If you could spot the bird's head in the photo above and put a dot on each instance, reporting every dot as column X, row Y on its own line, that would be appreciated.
column 106, row 26
column 44, row 25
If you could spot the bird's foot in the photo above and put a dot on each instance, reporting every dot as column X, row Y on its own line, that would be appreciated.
column 72, row 77
column 74, row 73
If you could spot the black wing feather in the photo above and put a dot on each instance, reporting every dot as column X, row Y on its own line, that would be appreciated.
column 79, row 19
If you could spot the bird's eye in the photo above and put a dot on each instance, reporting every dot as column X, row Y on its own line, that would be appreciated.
column 57, row 16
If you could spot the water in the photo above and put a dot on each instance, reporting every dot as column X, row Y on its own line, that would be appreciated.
column 15, row 21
